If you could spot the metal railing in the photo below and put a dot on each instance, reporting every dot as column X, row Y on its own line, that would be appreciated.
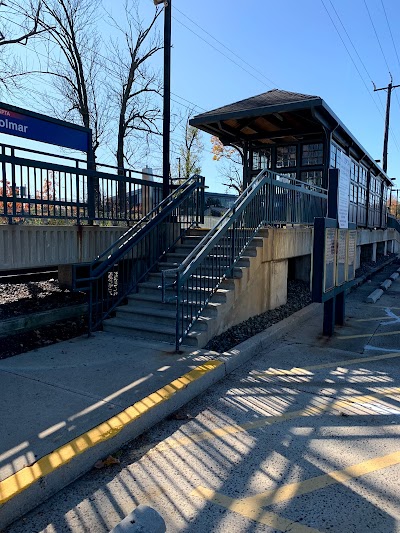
column 393, row 222
column 33, row 189
column 393, row 203
column 119, row 269
column 269, row 200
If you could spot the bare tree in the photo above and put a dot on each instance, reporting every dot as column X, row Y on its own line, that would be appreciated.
column 190, row 151
column 232, row 176
column 72, row 44
column 28, row 26
column 231, row 164
column 134, row 84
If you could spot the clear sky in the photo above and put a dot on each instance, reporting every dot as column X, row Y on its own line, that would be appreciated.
column 227, row 50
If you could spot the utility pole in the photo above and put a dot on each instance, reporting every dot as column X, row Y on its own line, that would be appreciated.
column 389, row 89
column 167, row 94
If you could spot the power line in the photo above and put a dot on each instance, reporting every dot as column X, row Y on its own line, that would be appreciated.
column 222, row 53
column 226, row 47
column 349, row 38
column 384, row 56
column 349, row 54
column 356, row 67
column 394, row 44
column 376, row 35
column 390, row 32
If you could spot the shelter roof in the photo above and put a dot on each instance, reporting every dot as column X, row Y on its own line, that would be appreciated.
column 277, row 117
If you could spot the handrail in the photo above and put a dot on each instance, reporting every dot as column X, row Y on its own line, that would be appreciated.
column 118, row 270
column 125, row 237
column 202, row 249
column 267, row 200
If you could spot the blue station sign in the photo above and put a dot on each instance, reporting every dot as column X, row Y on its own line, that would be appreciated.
column 37, row 127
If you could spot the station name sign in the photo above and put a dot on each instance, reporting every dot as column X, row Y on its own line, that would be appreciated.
column 43, row 129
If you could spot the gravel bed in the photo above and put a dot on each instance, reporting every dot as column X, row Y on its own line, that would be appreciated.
column 298, row 297
column 43, row 336
column 18, row 299
column 23, row 298
column 368, row 265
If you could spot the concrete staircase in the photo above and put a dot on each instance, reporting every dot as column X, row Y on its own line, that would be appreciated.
column 146, row 317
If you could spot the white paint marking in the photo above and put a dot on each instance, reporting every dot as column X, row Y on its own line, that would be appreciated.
column 370, row 347
column 395, row 318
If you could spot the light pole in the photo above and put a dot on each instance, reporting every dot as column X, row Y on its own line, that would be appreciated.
column 167, row 93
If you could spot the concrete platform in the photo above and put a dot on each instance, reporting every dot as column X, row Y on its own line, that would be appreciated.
column 68, row 405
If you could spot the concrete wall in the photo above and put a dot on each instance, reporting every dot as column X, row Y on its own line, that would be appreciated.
column 37, row 246
column 264, row 284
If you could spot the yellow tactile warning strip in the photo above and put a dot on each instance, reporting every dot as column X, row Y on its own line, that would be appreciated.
column 252, row 506
column 21, row 480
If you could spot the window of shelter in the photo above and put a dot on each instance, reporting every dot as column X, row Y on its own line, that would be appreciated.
column 286, row 156
column 312, row 177
column 262, row 159
column 312, row 154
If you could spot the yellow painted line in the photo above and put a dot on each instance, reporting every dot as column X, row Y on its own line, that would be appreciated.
column 292, row 490
column 360, row 336
column 251, row 507
column 253, row 513
column 306, row 369
column 21, row 480
column 353, row 401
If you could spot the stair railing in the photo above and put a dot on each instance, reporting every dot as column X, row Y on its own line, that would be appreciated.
column 119, row 269
column 269, row 199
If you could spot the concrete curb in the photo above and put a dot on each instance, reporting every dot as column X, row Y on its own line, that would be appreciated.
column 385, row 284
column 374, row 296
column 33, row 485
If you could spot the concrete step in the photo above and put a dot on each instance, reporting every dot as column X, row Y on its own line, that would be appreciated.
column 143, row 301
column 149, row 287
column 243, row 262
column 149, row 330
column 179, row 257
column 165, row 315
column 198, row 232
column 156, row 277
column 192, row 240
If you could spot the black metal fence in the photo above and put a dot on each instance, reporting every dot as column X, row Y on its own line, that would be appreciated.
column 34, row 189
column 119, row 269
column 269, row 200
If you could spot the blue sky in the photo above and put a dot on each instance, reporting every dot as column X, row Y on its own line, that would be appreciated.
column 296, row 46
column 292, row 45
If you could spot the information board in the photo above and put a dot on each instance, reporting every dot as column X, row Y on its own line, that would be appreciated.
column 344, row 191
column 329, row 259
column 351, row 254
column 341, row 256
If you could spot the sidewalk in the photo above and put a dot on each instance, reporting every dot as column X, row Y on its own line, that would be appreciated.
column 68, row 405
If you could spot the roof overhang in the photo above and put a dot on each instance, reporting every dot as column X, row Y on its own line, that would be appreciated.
column 283, row 123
